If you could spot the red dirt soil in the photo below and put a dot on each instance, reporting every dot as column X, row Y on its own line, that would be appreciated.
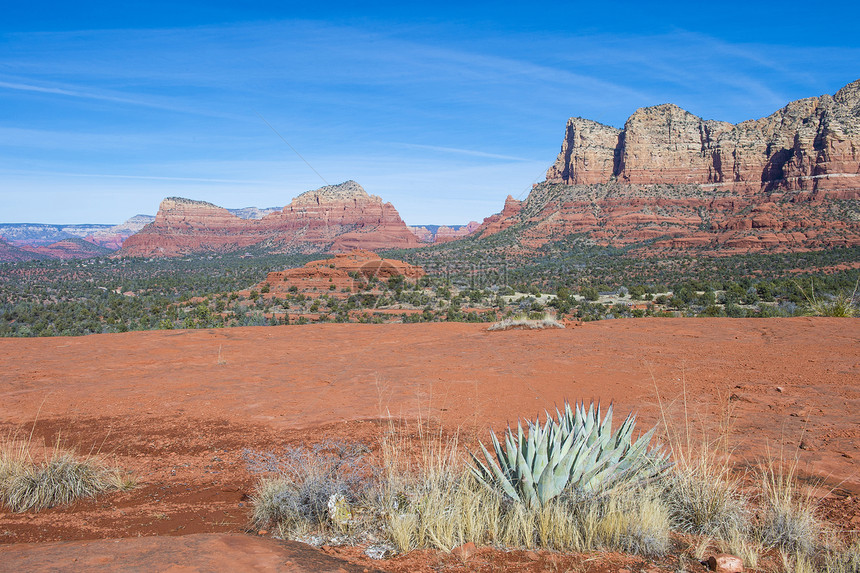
column 179, row 407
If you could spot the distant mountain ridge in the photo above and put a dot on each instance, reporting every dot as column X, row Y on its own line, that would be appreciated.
column 668, row 181
column 334, row 218
column 443, row 233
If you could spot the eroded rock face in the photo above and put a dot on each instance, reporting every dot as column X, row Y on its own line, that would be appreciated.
column 335, row 218
column 810, row 146
column 501, row 221
column 664, row 218
column 672, row 181
column 338, row 277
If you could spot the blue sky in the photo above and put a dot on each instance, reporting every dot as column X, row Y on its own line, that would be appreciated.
column 443, row 110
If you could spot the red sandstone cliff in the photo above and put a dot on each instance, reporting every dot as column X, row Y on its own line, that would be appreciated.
column 670, row 180
column 335, row 218
column 810, row 146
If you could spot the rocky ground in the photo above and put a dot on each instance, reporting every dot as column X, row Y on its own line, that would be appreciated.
column 182, row 408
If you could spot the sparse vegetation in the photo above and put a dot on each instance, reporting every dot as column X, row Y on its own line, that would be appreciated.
column 60, row 478
column 523, row 321
column 433, row 498
column 788, row 520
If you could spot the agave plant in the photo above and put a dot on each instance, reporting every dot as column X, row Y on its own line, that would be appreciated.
column 577, row 450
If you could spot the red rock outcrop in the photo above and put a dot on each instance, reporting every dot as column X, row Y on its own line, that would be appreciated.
column 446, row 234
column 338, row 276
column 74, row 248
column 113, row 237
column 811, row 146
column 672, row 181
column 10, row 253
column 335, row 218
column 661, row 218
column 500, row 221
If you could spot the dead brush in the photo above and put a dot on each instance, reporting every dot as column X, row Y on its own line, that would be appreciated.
column 525, row 322
column 62, row 477
column 308, row 489
column 844, row 559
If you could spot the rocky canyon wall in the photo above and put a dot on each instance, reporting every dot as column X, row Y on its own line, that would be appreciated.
column 810, row 148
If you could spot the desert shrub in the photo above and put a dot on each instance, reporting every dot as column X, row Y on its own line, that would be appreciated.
column 62, row 477
column 305, row 488
column 526, row 322
column 703, row 498
column 788, row 516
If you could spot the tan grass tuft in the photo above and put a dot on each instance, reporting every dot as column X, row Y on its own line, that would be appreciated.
column 62, row 477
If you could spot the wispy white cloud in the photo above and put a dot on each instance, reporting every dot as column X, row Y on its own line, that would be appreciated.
column 457, row 151
column 414, row 114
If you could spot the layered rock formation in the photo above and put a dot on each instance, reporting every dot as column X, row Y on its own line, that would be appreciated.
column 254, row 212
column 34, row 235
column 501, row 221
column 670, row 180
column 811, row 146
column 71, row 248
column 9, row 253
column 335, row 218
column 338, row 277
column 443, row 233
column 662, row 218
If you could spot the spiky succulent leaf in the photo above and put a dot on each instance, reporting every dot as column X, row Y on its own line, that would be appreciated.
column 576, row 450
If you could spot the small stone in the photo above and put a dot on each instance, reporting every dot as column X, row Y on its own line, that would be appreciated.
column 380, row 551
column 780, row 389
column 725, row 563
column 262, row 532
column 463, row 552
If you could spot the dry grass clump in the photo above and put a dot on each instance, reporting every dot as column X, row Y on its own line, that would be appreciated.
column 421, row 493
column 844, row 560
column 525, row 322
column 704, row 499
column 841, row 305
column 788, row 515
column 439, row 503
column 460, row 510
column 62, row 477
column 702, row 492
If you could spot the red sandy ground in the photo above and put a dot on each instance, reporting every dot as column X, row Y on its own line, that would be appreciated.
column 179, row 407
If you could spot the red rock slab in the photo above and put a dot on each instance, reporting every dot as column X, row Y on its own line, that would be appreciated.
column 292, row 377
column 201, row 553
